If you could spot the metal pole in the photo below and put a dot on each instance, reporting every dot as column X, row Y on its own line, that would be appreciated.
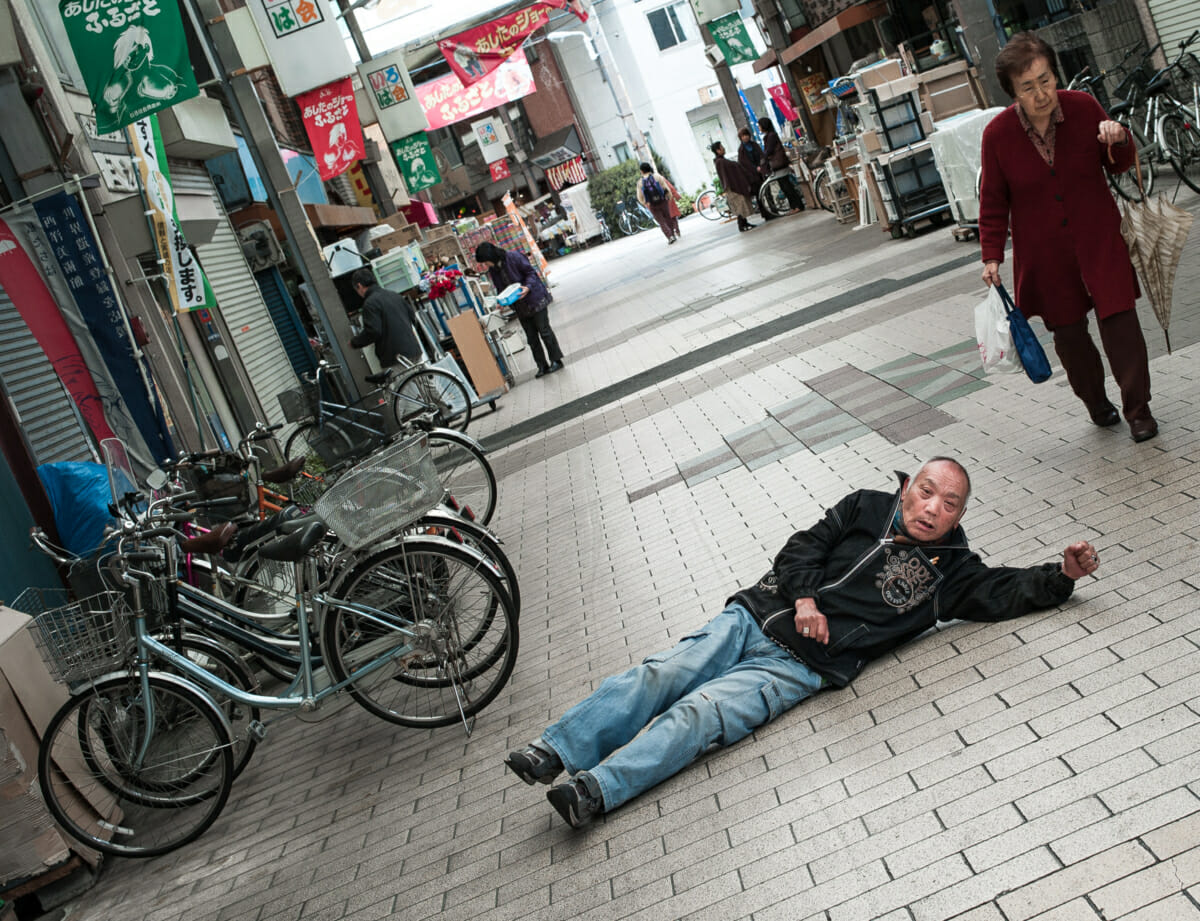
column 219, row 47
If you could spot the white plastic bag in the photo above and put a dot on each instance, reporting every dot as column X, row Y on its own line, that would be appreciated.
column 994, row 337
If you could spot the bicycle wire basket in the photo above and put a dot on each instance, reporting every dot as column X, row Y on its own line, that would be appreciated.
column 382, row 495
column 299, row 404
column 78, row 640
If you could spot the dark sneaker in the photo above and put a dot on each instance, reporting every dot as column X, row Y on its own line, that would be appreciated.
column 575, row 802
column 534, row 765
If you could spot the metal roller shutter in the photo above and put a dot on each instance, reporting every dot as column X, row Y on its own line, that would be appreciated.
column 48, row 417
column 239, row 300
column 1175, row 20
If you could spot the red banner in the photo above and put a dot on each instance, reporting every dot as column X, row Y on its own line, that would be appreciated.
column 783, row 99
column 331, row 120
column 446, row 101
column 474, row 54
column 21, row 280
column 499, row 170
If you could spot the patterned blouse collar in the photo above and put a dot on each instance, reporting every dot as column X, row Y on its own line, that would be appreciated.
column 1043, row 144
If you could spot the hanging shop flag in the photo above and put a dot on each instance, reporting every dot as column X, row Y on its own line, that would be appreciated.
column 499, row 170
column 567, row 173
column 72, row 256
column 24, row 286
column 475, row 53
column 186, row 284
column 414, row 156
column 331, row 120
column 446, row 101
column 393, row 96
column 303, row 41
column 783, row 99
column 492, row 138
column 133, row 57
column 729, row 32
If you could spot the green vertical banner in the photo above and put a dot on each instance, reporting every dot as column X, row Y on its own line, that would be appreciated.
column 133, row 57
column 414, row 157
column 729, row 32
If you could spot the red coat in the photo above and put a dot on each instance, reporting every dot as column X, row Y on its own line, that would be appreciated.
column 1066, row 229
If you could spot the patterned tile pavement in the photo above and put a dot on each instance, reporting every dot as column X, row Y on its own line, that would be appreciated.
column 1044, row 768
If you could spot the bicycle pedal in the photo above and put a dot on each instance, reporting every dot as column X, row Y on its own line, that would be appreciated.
column 257, row 729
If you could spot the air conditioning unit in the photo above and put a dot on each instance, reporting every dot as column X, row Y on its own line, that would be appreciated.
column 259, row 246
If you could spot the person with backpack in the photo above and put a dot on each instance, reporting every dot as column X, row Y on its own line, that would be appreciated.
column 659, row 196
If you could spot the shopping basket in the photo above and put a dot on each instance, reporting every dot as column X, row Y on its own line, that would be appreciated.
column 78, row 640
column 384, row 494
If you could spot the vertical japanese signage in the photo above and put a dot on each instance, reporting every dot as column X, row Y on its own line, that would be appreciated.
column 729, row 32
column 303, row 42
column 414, row 156
column 393, row 97
column 499, row 170
column 331, row 120
column 185, row 281
column 133, row 57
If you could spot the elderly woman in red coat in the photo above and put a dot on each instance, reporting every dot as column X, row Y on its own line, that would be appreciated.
column 1043, row 167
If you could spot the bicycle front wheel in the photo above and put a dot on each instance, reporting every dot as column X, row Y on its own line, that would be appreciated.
column 1182, row 141
column 464, row 472
column 431, row 393
column 439, row 612
column 133, row 775
column 706, row 205
column 823, row 191
column 1125, row 184
column 771, row 198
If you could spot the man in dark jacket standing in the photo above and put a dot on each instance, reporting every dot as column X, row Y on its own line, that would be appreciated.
column 387, row 321
column 877, row 571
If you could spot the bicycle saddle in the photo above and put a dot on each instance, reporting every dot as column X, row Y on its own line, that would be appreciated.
column 1120, row 108
column 1158, row 86
column 285, row 473
column 212, row 542
column 293, row 547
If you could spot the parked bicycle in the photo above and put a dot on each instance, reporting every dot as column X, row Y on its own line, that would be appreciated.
column 140, row 761
column 633, row 217
column 712, row 206
column 333, row 435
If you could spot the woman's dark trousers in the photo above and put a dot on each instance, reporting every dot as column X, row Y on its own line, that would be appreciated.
column 538, row 331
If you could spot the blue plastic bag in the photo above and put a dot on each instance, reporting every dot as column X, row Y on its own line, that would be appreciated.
column 80, row 496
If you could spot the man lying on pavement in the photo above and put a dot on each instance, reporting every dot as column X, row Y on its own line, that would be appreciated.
column 877, row 571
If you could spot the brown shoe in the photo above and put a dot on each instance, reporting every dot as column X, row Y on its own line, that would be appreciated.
column 1104, row 415
column 1143, row 429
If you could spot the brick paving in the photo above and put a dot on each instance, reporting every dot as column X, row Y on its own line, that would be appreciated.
column 1044, row 768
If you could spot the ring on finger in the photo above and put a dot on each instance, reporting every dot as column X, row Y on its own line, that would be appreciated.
column 805, row 631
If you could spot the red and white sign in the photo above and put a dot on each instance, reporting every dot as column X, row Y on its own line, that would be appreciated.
column 474, row 54
column 499, row 170
column 446, row 101
column 783, row 99
column 331, row 120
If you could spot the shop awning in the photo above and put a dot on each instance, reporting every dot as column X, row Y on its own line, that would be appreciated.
column 855, row 15
column 556, row 148
column 770, row 59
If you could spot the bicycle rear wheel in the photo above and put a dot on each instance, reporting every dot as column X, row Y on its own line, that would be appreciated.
column 771, row 199
column 431, row 393
column 442, row 615
column 302, row 443
column 464, row 472
column 1182, row 140
column 823, row 191
column 136, row 777
column 479, row 538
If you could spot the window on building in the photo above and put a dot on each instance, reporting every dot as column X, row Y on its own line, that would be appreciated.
column 622, row 152
column 667, row 24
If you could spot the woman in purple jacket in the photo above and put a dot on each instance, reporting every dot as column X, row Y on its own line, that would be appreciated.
column 509, row 267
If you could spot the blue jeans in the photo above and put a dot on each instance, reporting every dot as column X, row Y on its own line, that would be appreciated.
column 713, row 688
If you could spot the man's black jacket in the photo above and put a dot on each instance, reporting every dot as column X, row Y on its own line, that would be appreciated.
column 878, row 593
column 388, row 320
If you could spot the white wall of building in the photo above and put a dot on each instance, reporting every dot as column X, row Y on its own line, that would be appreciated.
column 674, row 92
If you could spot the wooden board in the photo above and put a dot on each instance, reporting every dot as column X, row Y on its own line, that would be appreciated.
column 472, row 346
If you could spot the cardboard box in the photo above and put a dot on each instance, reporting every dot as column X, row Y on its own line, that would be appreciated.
column 30, row 842
column 952, row 101
column 927, row 123
column 876, row 74
column 894, row 88
column 438, row 232
column 397, row 238
column 869, row 141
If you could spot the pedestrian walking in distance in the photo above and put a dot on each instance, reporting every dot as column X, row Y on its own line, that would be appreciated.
column 510, row 267
column 878, row 570
column 658, row 195
column 736, row 184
